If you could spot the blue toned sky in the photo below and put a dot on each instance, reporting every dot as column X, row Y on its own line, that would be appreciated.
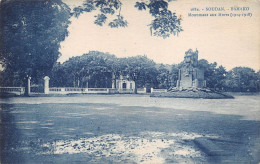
column 229, row 41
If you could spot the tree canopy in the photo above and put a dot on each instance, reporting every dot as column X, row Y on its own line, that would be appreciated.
column 30, row 36
column 242, row 79
column 164, row 23
column 96, row 69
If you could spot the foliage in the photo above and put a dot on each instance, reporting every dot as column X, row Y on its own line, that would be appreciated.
column 163, row 77
column 164, row 21
column 93, row 69
column 238, row 79
column 96, row 69
column 31, row 32
column 174, row 75
column 105, row 7
column 242, row 79
column 30, row 35
column 210, row 72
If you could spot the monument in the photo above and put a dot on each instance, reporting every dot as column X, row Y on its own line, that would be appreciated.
column 191, row 82
column 190, row 75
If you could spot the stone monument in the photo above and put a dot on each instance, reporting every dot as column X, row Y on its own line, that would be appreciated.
column 190, row 75
column 191, row 82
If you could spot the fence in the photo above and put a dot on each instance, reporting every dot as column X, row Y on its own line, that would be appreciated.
column 93, row 90
column 45, row 89
column 113, row 90
column 97, row 90
column 141, row 90
column 58, row 90
column 13, row 90
column 158, row 90
column 69, row 90
column 126, row 90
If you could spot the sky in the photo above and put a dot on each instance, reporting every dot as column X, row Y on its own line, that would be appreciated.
column 229, row 41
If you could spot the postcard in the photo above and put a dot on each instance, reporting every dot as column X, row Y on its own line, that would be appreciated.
column 129, row 81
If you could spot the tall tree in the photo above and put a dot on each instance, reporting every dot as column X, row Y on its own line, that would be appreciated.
column 30, row 36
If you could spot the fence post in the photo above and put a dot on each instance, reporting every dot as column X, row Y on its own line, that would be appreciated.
column 46, row 85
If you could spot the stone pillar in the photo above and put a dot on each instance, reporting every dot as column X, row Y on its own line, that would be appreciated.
column 28, row 87
column 46, row 85
column 151, row 90
column 135, row 89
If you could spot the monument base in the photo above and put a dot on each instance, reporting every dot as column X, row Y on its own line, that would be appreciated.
column 193, row 93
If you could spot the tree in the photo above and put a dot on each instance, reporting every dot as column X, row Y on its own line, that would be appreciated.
column 241, row 79
column 31, row 31
column 30, row 36
column 164, row 24
column 89, row 70
column 163, row 77
column 214, row 76
column 209, row 72
column 96, row 69
column 142, row 70
column 174, row 75
column 220, row 76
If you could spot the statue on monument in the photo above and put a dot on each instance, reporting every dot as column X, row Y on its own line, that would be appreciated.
column 191, row 58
